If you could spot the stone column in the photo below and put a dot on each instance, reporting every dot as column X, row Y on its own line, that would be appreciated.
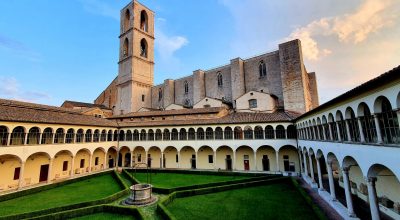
column 398, row 115
column 162, row 160
column 9, row 139
column 215, row 160
column 40, row 138
column 105, row 165
column 117, row 160
column 348, row 130
column 338, row 132
column 131, row 165
column 331, row 182
column 197, row 161
column 378, row 129
column 21, row 175
column 72, row 166
column 179, row 159
column 311, row 167
column 330, row 131
column 255, row 160
column 321, row 186
column 234, row 160
column 277, row 161
column 362, row 138
column 26, row 138
column 145, row 158
column 305, row 164
column 373, row 200
column 301, row 161
column 323, row 132
column 50, row 170
column 347, row 190
column 90, row 162
column 65, row 137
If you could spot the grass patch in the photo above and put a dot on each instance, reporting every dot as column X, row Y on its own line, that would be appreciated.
column 275, row 201
column 104, row 216
column 172, row 180
column 86, row 190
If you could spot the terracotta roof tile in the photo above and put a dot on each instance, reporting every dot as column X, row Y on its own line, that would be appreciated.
column 171, row 112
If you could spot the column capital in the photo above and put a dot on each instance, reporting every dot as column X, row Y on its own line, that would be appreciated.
column 370, row 180
column 346, row 170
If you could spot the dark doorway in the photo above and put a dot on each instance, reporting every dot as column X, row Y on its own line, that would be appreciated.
column 149, row 160
column 228, row 162
column 193, row 161
column 246, row 165
column 110, row 163
column 120, row 160
column 44, row 173
column 127, row 160
column 286, row 163
column 265, row 163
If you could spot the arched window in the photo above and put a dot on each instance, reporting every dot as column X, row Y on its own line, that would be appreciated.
column 209, row 133
column 143, row 48
column 47, row 136
column 127, row 20
column 18, row 136
column 262, row 69
column 219, row 133
column 122, row 135
column 70, row 136
column 174, row 134
column 333, row 127
column 219, row 79
column 389, row 123
column 353, row 125
column 342, row 126
column 129, row 136
column 280, row 132
column 33, row 136
column 79, row 136
column 103, row 136
column 269, row 132
column 182, row 134
column 325, row 125
column 136, row 135
column 96, row 136
column 192, row 134
column 248, row 132
column 238, row 133
column 109, row 136
column 186, row 87
column 88, row 136
column 158, row 135
column 3, row 135
column 258, row 132
column 150, row 135
column 59, row 136
column 228, row 133
column 160, row 94
column 367, row 123
column 125, row 51
column 143, row 21
column 200, row 134
column 143, row 135
column 115, row 135
column 166, row 135
column 291, row 132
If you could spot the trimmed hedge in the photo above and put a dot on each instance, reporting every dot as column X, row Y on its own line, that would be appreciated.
column 47, row 187
column 203, row 172
column 166, row 214
column 106, row 200
column 120, row 181
column 92, row 210
column 129, row 176
column 318, row 212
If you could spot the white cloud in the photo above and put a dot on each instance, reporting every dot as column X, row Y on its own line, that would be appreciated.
column 11, row 89
column 100, row 7
column 354, row 28
column 168, row 45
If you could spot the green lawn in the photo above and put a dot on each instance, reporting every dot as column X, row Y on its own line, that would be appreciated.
column 172, row 180
column 277, row 201
column 82, row 191
column 104, row 216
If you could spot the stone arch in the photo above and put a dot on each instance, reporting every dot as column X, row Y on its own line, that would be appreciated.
column 47, row 136
column 288, row 158
column 280, row 132
column 62, row 165
column 219, row 133
column 266, row 158
column 139, row 157
column 124, row 157
column 154, row 157
column 191, row 134
column 144, row 21
column 37, row 167
column 182, row 134
column 99, row 163
column 111, row 158
column 224, row 158
column 10, row 169
column 143, row 48
column 127, row 19
column 228, row 133
column 4, row 133
column 171, row 159
column 187, row 157
column 205, row 157
column 244, row 158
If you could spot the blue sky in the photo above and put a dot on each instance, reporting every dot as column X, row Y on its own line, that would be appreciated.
column 51, row 51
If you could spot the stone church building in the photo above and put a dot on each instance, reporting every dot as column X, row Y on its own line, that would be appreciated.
column 272, row 81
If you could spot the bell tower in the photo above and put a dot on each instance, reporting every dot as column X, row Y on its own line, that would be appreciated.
column 136, row 58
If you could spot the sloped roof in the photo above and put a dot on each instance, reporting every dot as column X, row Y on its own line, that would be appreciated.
column 170, row 112
column 17, row 111
column 84, row 104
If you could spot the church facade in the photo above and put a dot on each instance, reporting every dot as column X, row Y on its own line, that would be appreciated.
column 263, row 83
